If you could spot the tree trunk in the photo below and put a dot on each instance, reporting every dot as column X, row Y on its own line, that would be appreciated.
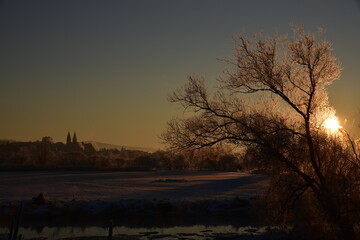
column 345, row 228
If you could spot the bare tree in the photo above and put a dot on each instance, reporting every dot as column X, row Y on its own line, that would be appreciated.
column 273, row 101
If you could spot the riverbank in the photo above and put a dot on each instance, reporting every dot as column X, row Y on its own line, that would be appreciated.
column 137, row 219
column 171, row 212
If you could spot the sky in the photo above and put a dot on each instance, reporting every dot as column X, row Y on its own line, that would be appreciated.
column 105, row 68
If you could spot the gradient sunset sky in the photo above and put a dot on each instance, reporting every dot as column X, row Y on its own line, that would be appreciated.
column 104, row 68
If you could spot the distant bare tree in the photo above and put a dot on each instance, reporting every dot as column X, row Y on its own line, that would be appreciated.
column 273, row 101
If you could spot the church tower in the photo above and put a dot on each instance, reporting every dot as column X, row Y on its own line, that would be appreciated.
column 74, row 138
column 68, row 139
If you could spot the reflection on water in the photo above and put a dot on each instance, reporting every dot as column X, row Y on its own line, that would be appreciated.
column 190, row 232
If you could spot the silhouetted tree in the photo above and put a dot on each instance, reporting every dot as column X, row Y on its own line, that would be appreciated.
column 44, row 151
column 47, row 139
column 273, row 101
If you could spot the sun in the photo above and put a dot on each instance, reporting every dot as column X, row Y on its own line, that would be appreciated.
column 332, row 124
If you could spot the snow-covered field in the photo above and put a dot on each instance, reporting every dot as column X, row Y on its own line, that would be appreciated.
column 115, row 185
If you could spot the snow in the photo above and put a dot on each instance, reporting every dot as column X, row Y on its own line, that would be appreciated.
column 116, row 185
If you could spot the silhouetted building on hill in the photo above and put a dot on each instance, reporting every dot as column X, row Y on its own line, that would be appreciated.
column 74, row 138
column 72, row 145
column 68, row 139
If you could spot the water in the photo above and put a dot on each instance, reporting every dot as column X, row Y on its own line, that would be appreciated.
column 196, row 232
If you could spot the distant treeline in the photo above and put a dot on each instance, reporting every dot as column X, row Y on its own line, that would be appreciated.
column 43, row 154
